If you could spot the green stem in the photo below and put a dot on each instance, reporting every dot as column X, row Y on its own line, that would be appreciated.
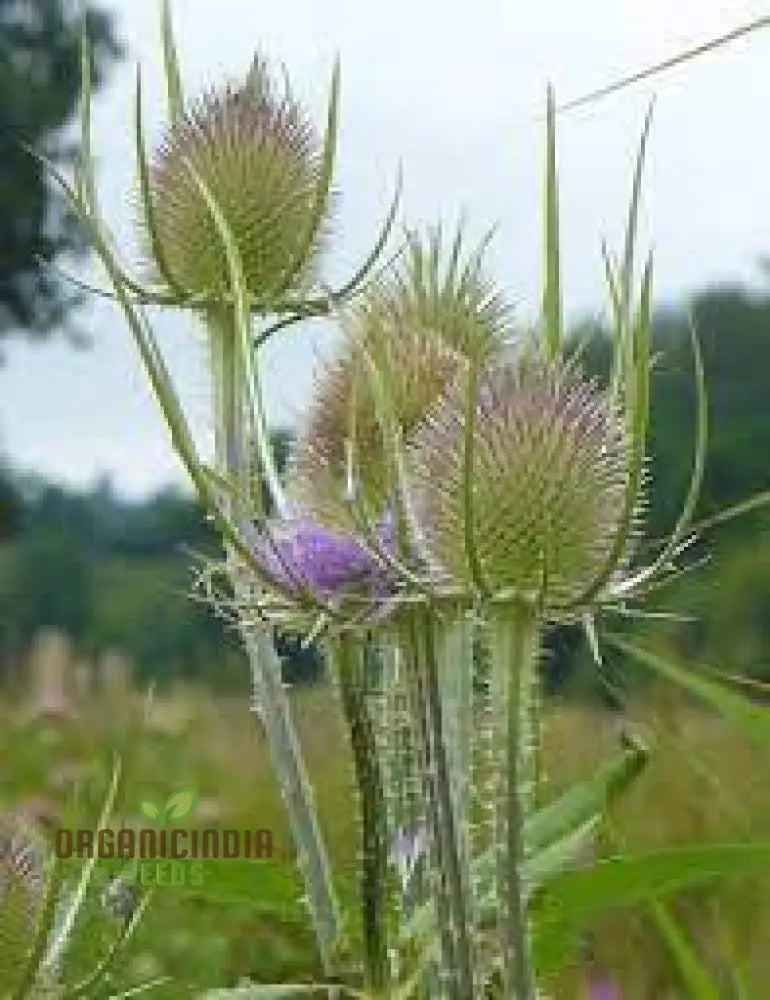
column 351, row 677
column 515, row 651
column 452, row 818
column 234, row 463
column 413, row 639
column 456, row 890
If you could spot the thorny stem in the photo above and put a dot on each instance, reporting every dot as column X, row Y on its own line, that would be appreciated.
column 459, row 886
column 454, row 910
column 351, row 678
column 413, row 640
column 234, row 463
column 515, row 648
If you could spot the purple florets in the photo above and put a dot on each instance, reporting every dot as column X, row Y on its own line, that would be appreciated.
column 303, row 553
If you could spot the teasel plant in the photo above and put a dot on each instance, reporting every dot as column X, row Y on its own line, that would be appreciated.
column 455, row 492
column 55, row 914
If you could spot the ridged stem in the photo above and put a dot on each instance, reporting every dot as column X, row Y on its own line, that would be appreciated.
column 234, row 462
column 454, row 897
column 413, row 642
column 351, row 678
column 515, row 647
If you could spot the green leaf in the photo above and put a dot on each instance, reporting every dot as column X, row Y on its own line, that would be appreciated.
column 149, row 809
column 181, row 803
column 552, row 317
column 555, row 832
column 754, row 719
column 571, row 900
column 581, row 803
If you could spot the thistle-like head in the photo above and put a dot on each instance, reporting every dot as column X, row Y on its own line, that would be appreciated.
column 408, row 340
column 530, row 498
column 343, row 434
column 258, row 155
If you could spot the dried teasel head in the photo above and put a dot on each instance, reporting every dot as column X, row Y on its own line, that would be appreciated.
column 343, row 433
column 545, row 502
column 413, row 332
column 258, row 155
column 23, row 881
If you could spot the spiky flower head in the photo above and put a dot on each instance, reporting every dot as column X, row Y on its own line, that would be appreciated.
column 23, row 874
column 258, row 155
column 343, row 433
column 414, row 332
column 548, row 471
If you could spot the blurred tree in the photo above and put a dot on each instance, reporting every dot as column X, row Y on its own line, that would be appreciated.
column 39, row 90
column 10, row 505
column 53, row 585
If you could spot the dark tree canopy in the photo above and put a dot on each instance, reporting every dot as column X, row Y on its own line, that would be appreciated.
column 39, row 90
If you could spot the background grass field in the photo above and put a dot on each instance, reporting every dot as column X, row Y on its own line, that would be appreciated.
column 706, row 783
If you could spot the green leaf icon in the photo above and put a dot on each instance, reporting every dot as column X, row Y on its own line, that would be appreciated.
column 180, row 803
column 150, row 809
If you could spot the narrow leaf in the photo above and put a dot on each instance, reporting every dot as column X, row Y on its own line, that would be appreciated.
column 575, row 897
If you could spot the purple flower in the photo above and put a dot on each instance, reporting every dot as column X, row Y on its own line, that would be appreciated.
column 303, row 553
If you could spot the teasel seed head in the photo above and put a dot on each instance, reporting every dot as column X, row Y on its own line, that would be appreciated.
column 419, row 325
column 258, row 154
column 547, row 493
column 417, row 366
column 23, row 875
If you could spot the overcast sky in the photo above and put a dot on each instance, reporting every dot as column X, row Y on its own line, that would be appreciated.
column 454, row 90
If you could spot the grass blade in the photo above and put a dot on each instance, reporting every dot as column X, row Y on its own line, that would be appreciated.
column 657, row 68
column 753, row 719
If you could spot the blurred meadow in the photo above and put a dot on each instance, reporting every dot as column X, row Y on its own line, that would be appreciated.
column 706, row 783
column 104, row 650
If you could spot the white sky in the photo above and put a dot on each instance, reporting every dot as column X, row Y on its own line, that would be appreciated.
column 454, row 91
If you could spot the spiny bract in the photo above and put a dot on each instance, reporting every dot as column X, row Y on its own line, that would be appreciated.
column 259, row 157
column 417, row 367
column 548, row 482
column 433, row 310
